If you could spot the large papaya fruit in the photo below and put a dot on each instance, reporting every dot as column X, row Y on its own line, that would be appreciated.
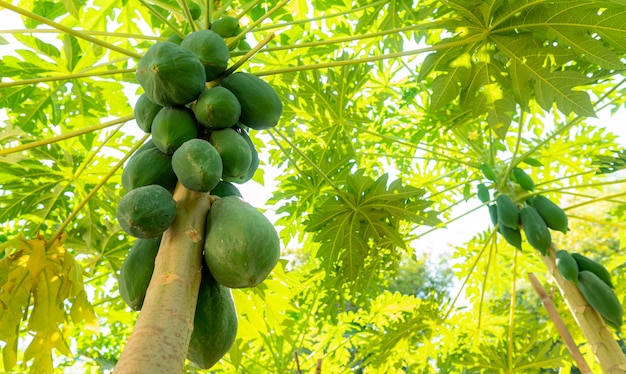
column 261, row 107
column 210, row 49
column 214, row 323
column 170, row 75
column 148, row 166
column 173, row 126
column 145, row 110
column 254, row 163
column 241, row 246
column 601, row 298
column 136, row 271
column 585, row 263
column 197, row 165
column 147, row 211
column 551, row 213
column 508, row 213
column 567, row 266
column 536, row 230
column 217, row 108
column 234, row 151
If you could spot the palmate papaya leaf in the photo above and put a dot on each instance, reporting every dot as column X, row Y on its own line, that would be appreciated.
column 39, row 279
column 608, row 164
column 362, row 225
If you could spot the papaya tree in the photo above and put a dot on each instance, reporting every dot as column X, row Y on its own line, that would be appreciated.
column 350, row 132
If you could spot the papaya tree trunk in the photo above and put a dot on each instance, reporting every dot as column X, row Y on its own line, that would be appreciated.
column 160, row 338
column 607, row 352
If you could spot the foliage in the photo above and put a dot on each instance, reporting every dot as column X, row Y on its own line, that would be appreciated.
column 389, row 109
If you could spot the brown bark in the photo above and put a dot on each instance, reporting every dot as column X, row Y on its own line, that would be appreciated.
column 159, row 341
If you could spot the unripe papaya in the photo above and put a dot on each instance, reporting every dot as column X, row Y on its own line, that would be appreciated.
column 567, row 266
column 234, row 151
column 551, row 213
column 483, row 193
column 145, row 110
column 194, row 10
column 197, row 165
column 146, row 212
column 224, row 189
column 488, row 172
column 601, row 298
column 493, row 214
column 148, row 166
column 512, row 236
column 210, row 49
column 536, row 230
column 136, row 271
column 508, row 213
column 523, row 179
column 217, row 108
column 226, row 26
column 254, row 163
column 585, row 263
column 173, row 126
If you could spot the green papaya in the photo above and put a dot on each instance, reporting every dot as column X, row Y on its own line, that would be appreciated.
column 194, row 10
column 254, row 163
column 261, row 107
column 601, row 298
column 536, row 230
column 226, row 26
column 483, row 193
column 170, row 75
column 146, row 212
column 493, row 214
column 145, row 110
column 234, row 151
column 567, row 266
column 150, row 166
column 198, row 165
column 175, row 38
column 523, row 179
column 243, row 45
column 173, row 126
column 488, row 172
column 585, row 263
column 217, row 108
column 508, row 213
column 241, row 246
column 214, row 323
column 223, row 189
column 149, row 144
column 210, row 49
column 512, row 236
column 552, row 214
column 136, row 271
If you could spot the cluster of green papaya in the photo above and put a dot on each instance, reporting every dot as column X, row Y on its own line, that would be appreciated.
column 200, row 139
column 535, row 216
column 595, row 284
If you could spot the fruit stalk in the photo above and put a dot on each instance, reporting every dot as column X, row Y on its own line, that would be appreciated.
column 159, row 341
column 607, row 352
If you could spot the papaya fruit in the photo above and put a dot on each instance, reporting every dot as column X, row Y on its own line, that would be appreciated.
column 194, row 10
column 170, row 75
column 585, row 263
column 512, row 236
column 234, row 151
column 198, row 165
column 488, row 172
column 149, row 144
column 136, row 271
column 536, row 230
column 601, row 298
column 566, row 265
column 146, row 212
column 493, row 214
column 217, row 108
column 552, row 214
column 254, row 163
column 523, row 179
column 241, row 246
column 483, row 193
column 210, row 49
column 173, row 126
column 223, row 189
column 175, row 38
column 261, row 107
column 243, row 45
column 145, row 110
column 508, row 213
column 214, row 323
column 148, row 166
column 226, row 26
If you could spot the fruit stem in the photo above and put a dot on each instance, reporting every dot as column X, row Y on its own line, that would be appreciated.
column 607, row 351
column 69, row 30
column 160, row 338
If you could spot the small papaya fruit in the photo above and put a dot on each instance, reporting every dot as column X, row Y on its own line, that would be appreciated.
column 145, row 110
column 198, row 165
column 226, row 26
column 210, row 49
column 601, row 298
column 254, row 163
column 483, row 193
column 508, row 213
column 234, row 151
column 551, row 213
column 148, row 166
column 146, row 212
column 512, row 236
column 194, row 10
column 217, row 108
column 173, row 126
column 223, row 189
column 488, row 172
column 493, row 214
column 566, row 265
column 585, row 263
column 523, row 179
column 536, row 230
column 136, row 271
column 175, row 38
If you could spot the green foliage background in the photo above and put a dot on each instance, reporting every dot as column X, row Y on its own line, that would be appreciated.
column 390, row 107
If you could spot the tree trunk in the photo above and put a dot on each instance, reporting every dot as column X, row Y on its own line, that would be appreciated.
column 159, row 341
column 608, row 353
